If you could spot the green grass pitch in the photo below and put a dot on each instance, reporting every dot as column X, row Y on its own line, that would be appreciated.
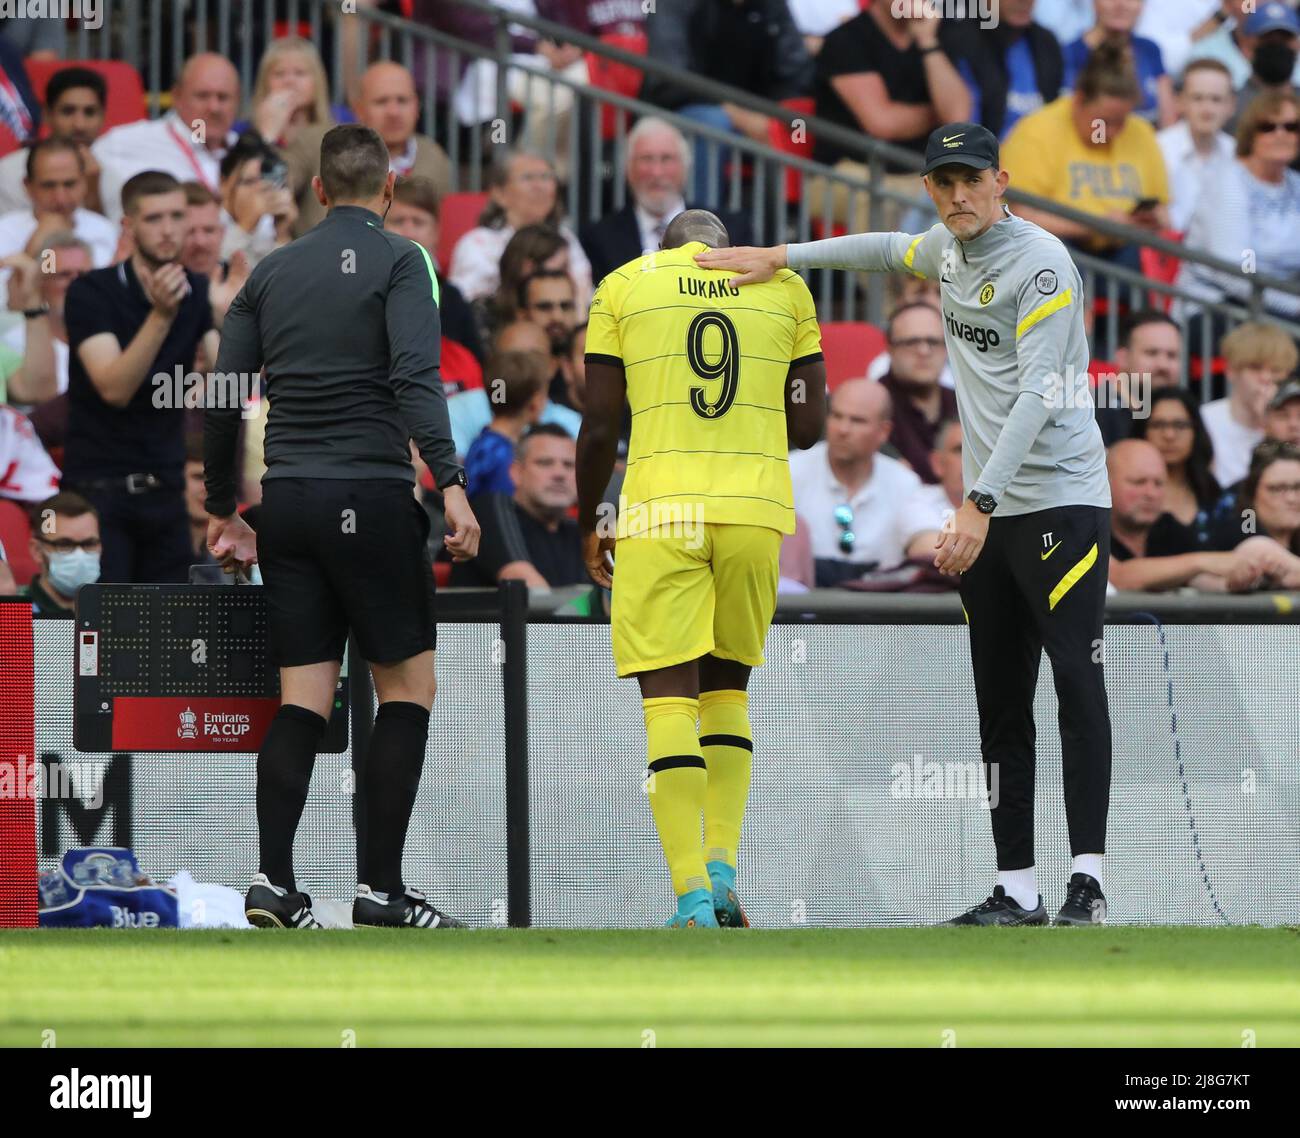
column 896, row 987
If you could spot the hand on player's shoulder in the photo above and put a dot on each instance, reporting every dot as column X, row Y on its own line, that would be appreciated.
column 753, row 264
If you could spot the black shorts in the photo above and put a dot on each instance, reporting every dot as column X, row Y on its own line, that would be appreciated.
column 338, row 555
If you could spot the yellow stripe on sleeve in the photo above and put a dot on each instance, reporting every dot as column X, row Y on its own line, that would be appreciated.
column 910, row 256
column 1043, row 311
column 1071, row 579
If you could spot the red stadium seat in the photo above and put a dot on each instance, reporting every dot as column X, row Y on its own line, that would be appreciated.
column 459, row 214
column 849, row 348
column 620, row 78
column 779, row 136
column 460, row 370
column 15, row 532
column 126, row 101
column 1160, row 267
column 1100, row 369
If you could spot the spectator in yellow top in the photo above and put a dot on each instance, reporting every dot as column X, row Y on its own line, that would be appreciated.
column 1090, row 151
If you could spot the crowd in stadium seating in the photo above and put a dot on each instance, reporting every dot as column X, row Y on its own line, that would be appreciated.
column 1178, row 116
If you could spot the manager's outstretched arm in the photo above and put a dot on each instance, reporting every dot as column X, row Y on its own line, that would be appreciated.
column 915, row 253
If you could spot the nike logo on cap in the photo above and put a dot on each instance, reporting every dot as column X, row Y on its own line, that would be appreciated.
column 954, row 138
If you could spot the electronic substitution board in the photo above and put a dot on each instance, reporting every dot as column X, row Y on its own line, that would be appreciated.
column 179, row 668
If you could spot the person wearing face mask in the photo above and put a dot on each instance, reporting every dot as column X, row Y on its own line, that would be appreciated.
column 65, row 544
column 1276, row 37
column 1240, row 27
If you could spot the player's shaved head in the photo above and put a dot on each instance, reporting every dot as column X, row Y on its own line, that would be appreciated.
column 696, row 225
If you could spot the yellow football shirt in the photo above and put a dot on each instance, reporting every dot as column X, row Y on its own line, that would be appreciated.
column 706, row 368
column 1046, row 156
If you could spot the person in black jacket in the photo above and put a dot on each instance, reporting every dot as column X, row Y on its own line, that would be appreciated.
column 1012, row 69
column 658, row 165
column 749, row 44
column 345, row 322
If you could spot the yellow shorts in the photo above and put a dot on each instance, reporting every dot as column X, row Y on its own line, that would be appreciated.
column 679, row 598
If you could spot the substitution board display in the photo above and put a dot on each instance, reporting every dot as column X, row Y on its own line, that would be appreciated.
column 179, row 668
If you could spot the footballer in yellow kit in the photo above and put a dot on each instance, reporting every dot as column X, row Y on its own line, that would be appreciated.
column 721, row 383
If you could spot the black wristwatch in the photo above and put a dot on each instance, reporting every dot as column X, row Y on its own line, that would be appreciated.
column 932, row 48
column 985, row 503
column 35, row 313
column 459, row 480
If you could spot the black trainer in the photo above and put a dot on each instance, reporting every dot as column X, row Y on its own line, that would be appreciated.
column 269, row 907
column 1084, row 902
column 1001, row 910
column 411, row 909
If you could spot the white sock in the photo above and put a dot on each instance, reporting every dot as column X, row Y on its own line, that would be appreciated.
column 1021, row 886
column 1091, row 865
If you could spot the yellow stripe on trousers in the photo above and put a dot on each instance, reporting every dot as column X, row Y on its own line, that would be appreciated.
column 1066, row 583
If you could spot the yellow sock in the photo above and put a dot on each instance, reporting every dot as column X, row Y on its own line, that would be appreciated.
column 676, row 787
column 728, row 746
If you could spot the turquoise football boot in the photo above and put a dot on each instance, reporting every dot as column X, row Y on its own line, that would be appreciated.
column 694, row 911
column 726, row 905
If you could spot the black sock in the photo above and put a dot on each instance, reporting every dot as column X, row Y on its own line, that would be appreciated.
column 393, row 765
column 283, row 775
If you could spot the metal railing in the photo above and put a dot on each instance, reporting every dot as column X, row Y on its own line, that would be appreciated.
column 156, row 35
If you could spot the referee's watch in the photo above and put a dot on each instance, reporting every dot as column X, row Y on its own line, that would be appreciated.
column 458, row 479
column 985, row 503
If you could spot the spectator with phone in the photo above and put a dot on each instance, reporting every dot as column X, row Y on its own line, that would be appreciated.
column 258, row 207
column 1089, row 150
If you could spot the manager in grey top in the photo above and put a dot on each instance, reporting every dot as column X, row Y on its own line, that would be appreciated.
column 1032, row 539
column 345, row 323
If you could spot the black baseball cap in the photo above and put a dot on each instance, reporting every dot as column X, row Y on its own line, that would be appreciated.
column 1288, row 391
column 965, row 143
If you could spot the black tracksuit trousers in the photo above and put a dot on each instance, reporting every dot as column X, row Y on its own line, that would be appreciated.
column 1040, row 583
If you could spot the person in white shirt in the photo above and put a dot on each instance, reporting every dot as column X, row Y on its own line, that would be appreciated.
column 1175, row 25
column 39, row 294
column 1197, row 149
column 1250, row 213
column 29, row 473
column 814, row 18
column 522, row 191
column 75, row 99
column 188, row 142
column 56, row 187
column 1258, row 358
column 853, row 498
